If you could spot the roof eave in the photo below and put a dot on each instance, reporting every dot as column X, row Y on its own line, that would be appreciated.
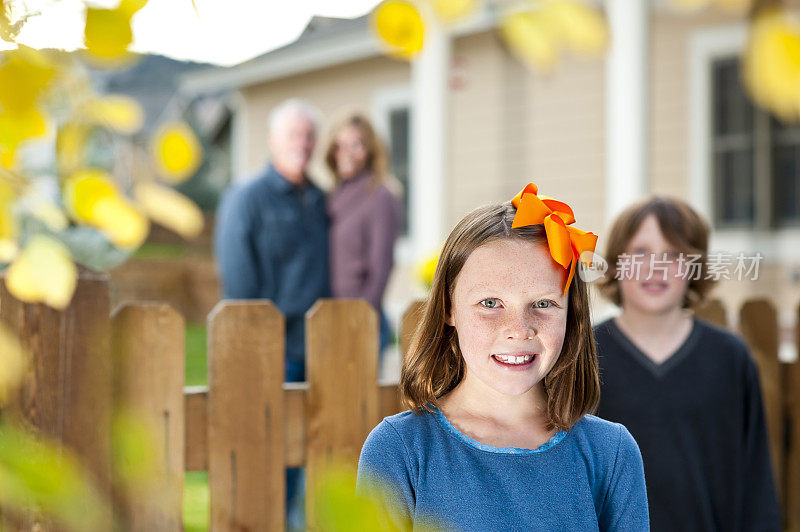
column 303, row 57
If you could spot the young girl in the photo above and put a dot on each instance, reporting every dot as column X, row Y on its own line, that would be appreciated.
column 688, row 391
column 500, row 379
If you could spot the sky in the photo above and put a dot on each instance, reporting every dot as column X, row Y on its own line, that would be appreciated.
column 222, row 32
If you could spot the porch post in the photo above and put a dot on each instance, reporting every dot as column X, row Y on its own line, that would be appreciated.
column 429, row 143
column 627, row 110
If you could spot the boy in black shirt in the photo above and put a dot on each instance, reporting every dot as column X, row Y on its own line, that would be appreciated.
column 687, row 391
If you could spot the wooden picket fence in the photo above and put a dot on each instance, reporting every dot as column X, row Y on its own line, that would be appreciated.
column 247, row 425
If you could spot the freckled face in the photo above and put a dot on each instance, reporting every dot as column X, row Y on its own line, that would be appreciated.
column 509, row 315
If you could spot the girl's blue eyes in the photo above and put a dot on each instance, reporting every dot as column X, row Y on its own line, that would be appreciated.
column 492, row 302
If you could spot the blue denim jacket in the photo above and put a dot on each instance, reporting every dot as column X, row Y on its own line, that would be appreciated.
column 271, row 242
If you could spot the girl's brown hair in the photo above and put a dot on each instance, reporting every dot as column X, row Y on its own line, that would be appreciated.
column 682, row 227
column 377, row 160
column 434, row 364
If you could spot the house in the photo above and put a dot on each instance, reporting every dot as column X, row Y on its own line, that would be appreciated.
column 664, row 112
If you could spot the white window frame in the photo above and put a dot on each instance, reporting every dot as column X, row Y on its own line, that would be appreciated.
column 239, row 130
column 780, row 245
column 384, row 101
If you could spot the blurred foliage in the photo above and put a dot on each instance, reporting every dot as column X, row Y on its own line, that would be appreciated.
column 196, row 355
column 12, row 363
column 94, row 202
column 398, row 25
column 76, row 186
column 426, row 269
column 177, row 152
column 43, row 273
column 539, row 32
column 39, row 476
column 771, row 67
column 136, row 460
column 196, row 502
column 341, row 508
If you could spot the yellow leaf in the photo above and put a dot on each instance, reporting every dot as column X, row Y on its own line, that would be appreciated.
column 170, row 209
column 532, row 39
column 8, row 225
column 46, row 476
column 24, row 75
column 43, row 273
column 124, row 225
column 581, row 27
column 399, row 26
column 12, row 363
column 452, row 10
column 130, row 7
column 8, row 31
column 8, row 250
column 71, row 146
column 108, row 34
column 52, row 216
column 136, row 460
column 426, row 269
column 17, row 127
column 92, row 198
column 119, row 113
column 83, row 189
column 771, row 66
column 176, row 151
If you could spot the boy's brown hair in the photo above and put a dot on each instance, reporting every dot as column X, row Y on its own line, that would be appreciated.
column 682, row 227
column 434, row 364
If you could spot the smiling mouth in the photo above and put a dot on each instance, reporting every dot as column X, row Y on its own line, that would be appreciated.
column 514, row 360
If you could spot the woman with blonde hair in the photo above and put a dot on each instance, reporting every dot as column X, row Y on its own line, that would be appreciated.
column 364, row 215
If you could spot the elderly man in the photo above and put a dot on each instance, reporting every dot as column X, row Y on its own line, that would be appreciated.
column 271, row 242
column 272, row 233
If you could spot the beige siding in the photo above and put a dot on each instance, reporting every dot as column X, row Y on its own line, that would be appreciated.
column 510, row 126
column 669, row 158
column 328, row 89
column 669, row 96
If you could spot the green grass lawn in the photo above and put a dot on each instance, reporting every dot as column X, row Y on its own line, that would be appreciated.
column 196, row 360
column 195, row 487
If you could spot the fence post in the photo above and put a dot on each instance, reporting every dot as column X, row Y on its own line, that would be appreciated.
column 246, row 477
column 149, row 354
column 67, row 395
column 758, row 323
column 713, row 311
column 342, row 372
column 792, row 392
column 408, row 325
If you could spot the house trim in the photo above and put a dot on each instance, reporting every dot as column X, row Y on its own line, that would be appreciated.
column 705, row 46
column 302, row 57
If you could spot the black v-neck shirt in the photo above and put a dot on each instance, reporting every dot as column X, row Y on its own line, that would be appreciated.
column 699, row 422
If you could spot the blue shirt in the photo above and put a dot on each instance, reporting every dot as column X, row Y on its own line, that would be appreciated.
column 588, row 478
column 271, row 242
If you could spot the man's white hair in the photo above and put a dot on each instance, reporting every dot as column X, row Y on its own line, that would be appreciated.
column 293, row 106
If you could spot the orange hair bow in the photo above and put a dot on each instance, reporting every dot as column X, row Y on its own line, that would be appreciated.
column 566, row 243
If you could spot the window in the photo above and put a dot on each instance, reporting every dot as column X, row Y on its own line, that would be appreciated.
column 755, row 158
